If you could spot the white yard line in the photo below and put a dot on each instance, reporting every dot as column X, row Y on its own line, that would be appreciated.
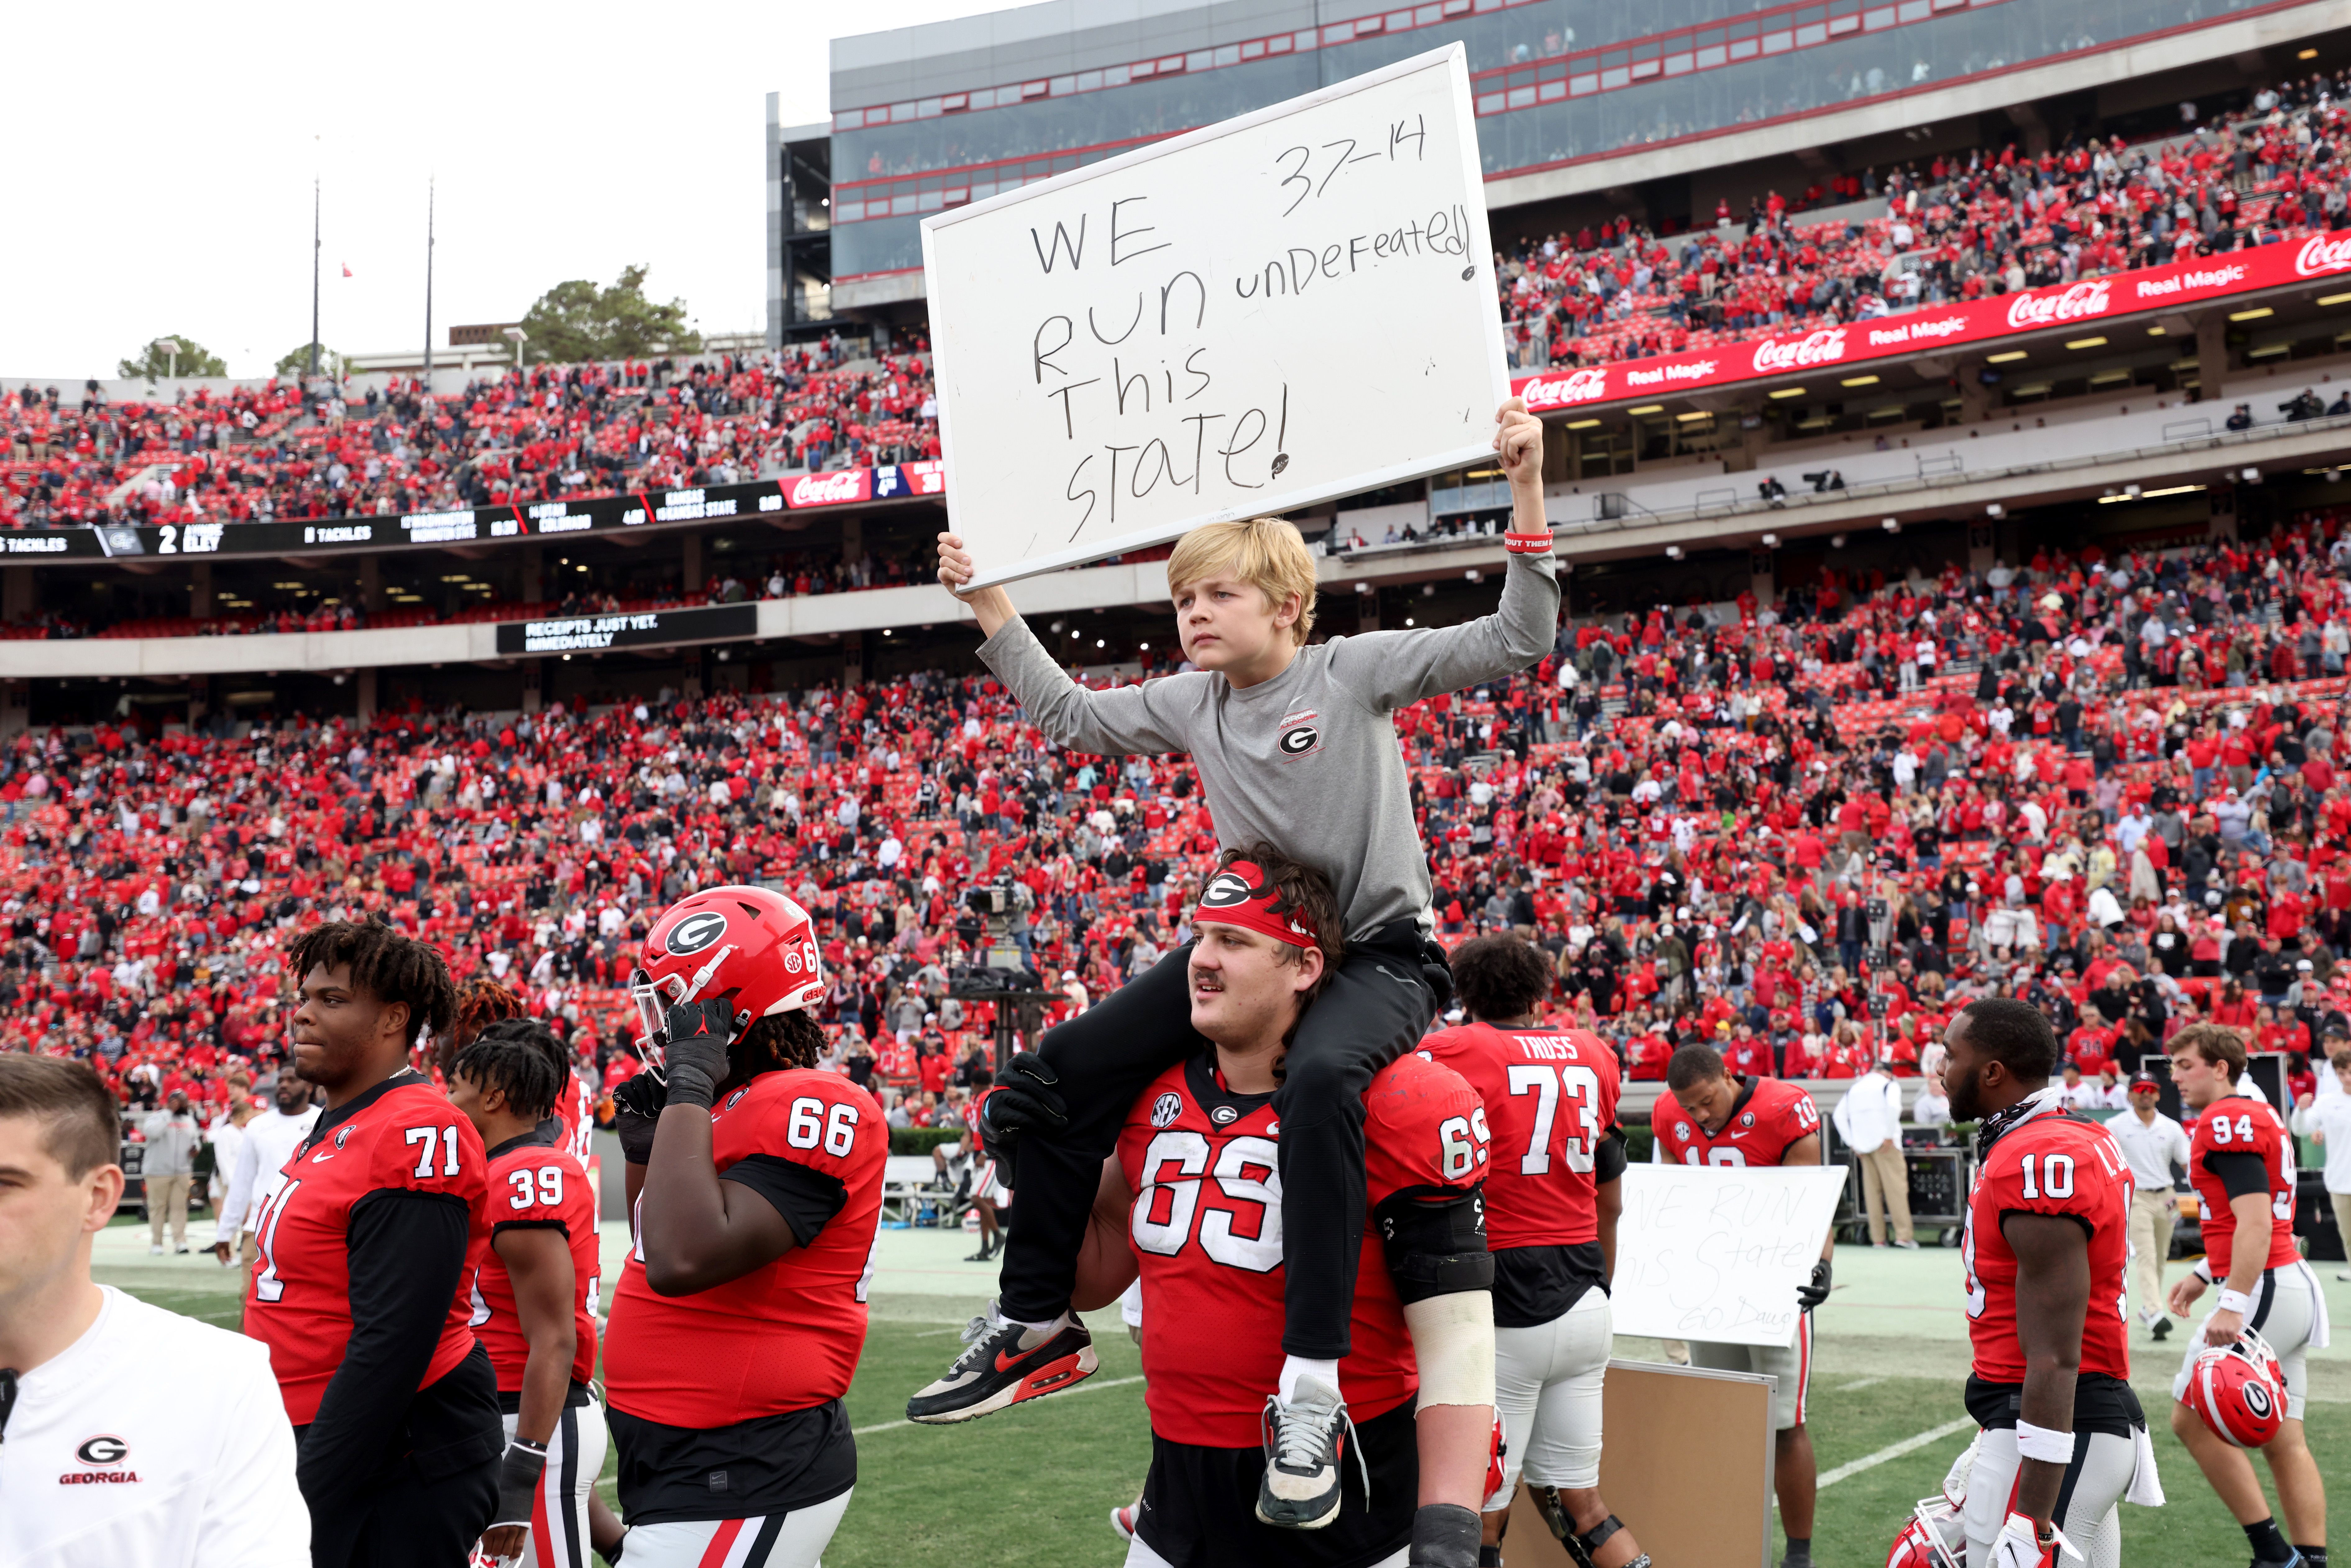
column 1893, row 1451
column 1861, row 1383
column 1080, row 1388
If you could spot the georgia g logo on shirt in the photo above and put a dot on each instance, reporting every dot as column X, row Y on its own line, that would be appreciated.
column 1299, row 737
column 103, row 1450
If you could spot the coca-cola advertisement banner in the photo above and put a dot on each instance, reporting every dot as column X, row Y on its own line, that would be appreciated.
column 837, row 488
column 2085, row 303
column 602, row 513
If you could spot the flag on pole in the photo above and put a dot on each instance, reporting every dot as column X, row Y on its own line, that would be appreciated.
column 347, row 269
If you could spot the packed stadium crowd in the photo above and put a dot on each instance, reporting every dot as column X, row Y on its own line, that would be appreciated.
column 546, row 432
column 1807, row 830
column 1946, row 824
column 1964, row 225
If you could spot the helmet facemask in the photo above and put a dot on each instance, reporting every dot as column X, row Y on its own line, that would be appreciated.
column 654, row 998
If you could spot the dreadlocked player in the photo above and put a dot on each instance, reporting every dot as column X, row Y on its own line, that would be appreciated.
column 481, row 1002
column 363, row 1248
column 756, row 1184
column 534, row 1297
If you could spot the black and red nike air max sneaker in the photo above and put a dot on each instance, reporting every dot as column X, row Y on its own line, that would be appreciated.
column 1004, row 1364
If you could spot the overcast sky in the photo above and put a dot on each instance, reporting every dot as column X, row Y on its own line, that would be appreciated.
column 165, row 155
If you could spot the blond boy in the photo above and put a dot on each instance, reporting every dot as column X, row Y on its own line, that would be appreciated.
column 1295, row 747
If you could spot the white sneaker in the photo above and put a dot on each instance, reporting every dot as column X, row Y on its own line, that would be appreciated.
column 1306, row 1441
column 156, row 1250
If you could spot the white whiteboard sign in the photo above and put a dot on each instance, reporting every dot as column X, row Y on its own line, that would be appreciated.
column 1247, row 319
column 1716, row 1252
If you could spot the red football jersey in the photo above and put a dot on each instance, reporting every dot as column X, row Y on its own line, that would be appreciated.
column 403, row 1135
column 2050, row 1164
column 1769, row 1114
column 1549, row 1097
column 575, row 1107
column 535, row 1183
column 2243, row 1124
column 1206, row 1228
column 785, row 1336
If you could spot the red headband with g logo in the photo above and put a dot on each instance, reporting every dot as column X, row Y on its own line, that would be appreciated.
column 1241, row 895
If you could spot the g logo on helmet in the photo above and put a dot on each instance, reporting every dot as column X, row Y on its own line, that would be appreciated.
column 1225, row 890
column 2257, row 1400
column 1166, row 1108
column 695, row 932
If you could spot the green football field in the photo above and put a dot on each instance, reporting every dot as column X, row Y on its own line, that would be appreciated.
column 1035, row 1485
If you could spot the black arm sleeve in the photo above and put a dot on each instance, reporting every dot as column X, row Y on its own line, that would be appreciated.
column 1435, row 1240
column 1608, row 1160
column 407, row 1259
column 2241, row 1175
column 807, row 1200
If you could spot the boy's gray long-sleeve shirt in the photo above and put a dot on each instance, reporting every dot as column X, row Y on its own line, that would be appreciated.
column 1308, row 761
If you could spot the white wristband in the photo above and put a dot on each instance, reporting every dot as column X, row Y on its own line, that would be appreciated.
column 2203, row 1269
column 2236, row 1301
column 2042, row 1443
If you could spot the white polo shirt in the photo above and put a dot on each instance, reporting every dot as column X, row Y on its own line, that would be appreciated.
column 259, row 1170
column 153, row 1440
column 2330, row 1115
column 2151, row 1147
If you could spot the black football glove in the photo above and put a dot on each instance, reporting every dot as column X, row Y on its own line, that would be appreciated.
column 1024, row 1099
column 699, row 1033
column 1443, row 1535
column 518, row 1477
column 1812, row 1295
column 636, row 1110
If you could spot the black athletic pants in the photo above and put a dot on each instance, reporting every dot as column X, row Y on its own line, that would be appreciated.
column 1373, row 1010
column 434, row 1493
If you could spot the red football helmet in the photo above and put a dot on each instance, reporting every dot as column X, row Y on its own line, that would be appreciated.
column 754, row 948
column 2239, row 1391
column 1936, row 1537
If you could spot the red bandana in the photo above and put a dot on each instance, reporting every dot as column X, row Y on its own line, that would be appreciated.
column 1240, row 895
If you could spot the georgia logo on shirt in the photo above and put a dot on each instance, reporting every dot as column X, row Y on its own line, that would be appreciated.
column 103, row 1450
column 1166, row 1108
column 1223, row 1114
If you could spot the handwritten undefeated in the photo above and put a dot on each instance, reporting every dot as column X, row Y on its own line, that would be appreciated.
column 1444, row 234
